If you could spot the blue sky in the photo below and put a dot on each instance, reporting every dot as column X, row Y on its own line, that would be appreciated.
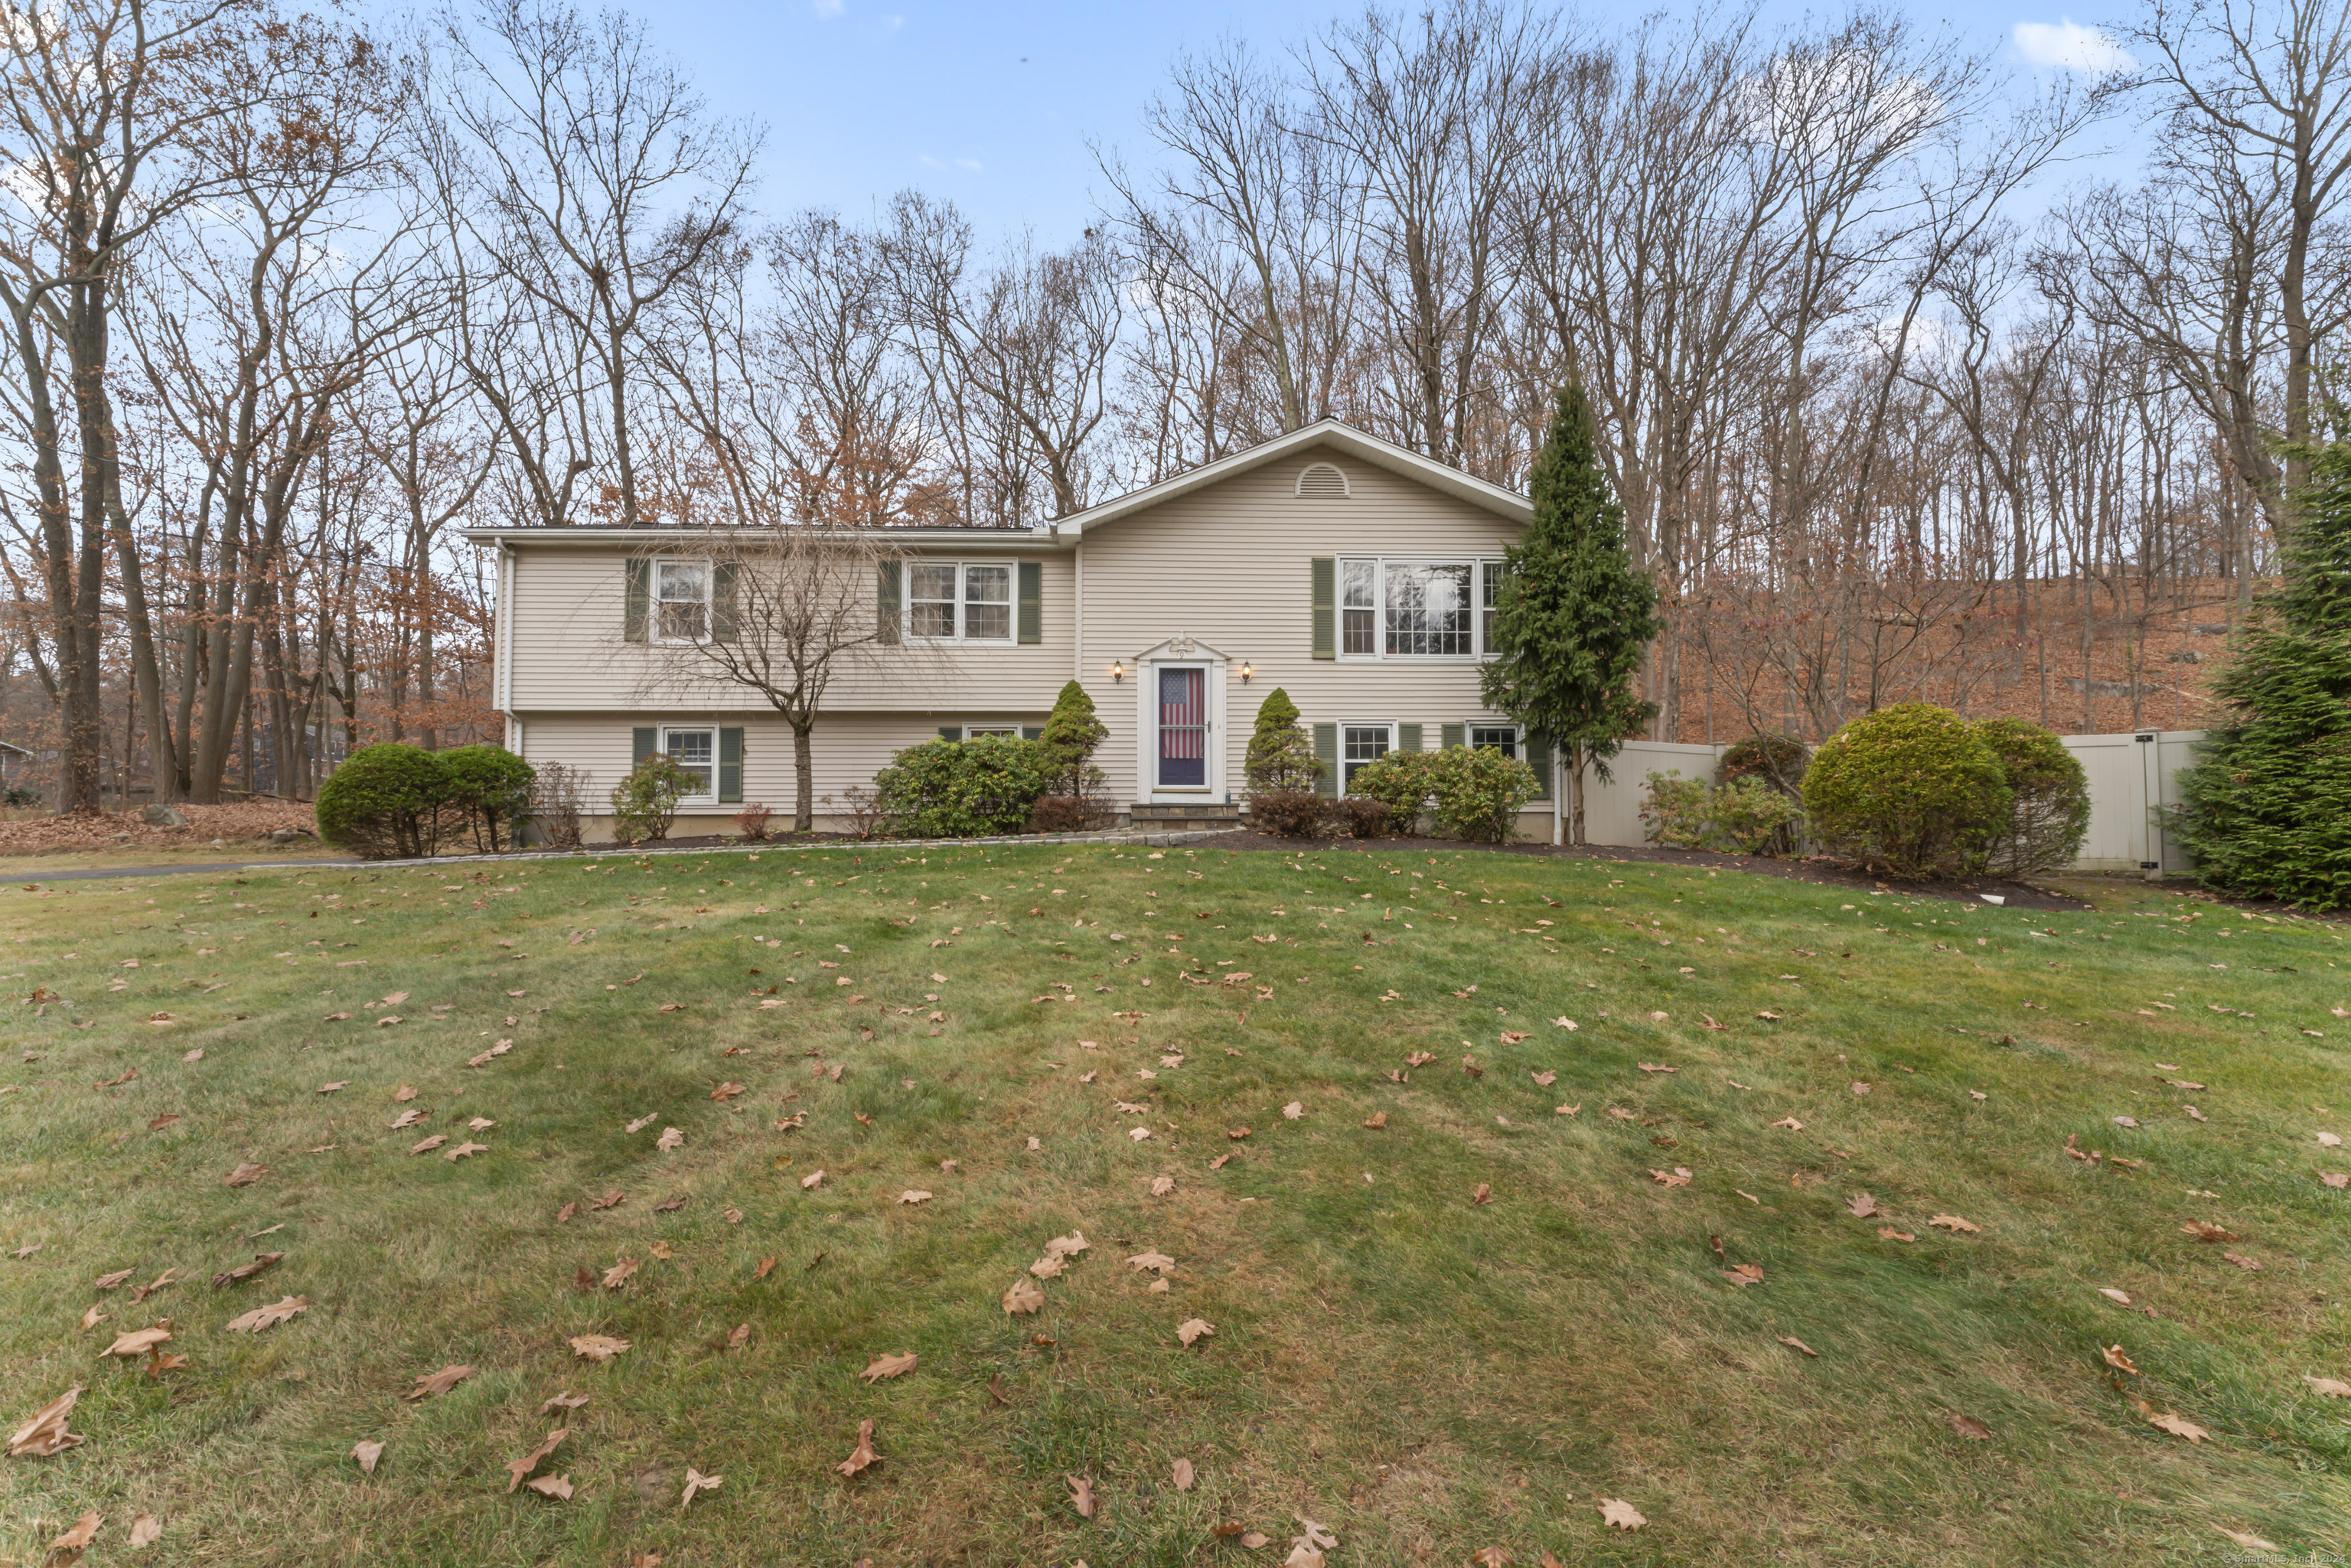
column 993, row 106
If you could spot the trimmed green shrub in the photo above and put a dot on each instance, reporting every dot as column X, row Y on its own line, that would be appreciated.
column 1910, row 790
column 1676, row 810
column 1399, row 781
column 1072, row 731
column 2049, row 813
column 1282, row 758
column 1071, row 734
column 1780, row 760
column 1475, row 793
column 385, row 802
column 644, row 803
column 2268, row 807
column 1289, row 813
column 489, row 785
column 964, row 788
column 1745, row 816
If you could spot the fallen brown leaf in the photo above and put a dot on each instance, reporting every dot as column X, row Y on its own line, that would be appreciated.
column 275, row 1312
column 1970, row 1427
column 367, row 1451
column 1619, row 1515
column 46, row 1433
column 517, row 1470
column 440, row 1382
column 863, row 1454
column 597, row 1347
column 894, row 1365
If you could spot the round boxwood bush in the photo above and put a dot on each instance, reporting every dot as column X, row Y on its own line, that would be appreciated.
column 972, row 789
column 385, row 801
column 1911, row 790
column 2049, row 814
column 492, row 787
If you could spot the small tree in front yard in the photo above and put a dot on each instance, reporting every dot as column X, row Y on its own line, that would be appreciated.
column 786, row 609
column 1573, row 612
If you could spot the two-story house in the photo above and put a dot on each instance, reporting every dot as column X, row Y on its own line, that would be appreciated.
column 1354, row 574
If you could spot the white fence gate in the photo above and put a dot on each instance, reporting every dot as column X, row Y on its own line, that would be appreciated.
column 2133, row 779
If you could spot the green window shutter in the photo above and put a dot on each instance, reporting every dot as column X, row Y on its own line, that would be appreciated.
column 721, row 601
column 1326, row 751
column 1538, row 757
column 888, row 583
column 950, row 732
column 730, row 765
column 641, row 590
column 644, row 741
column 1032, row 602
column 1408, row 737
column 1032, row 732
column 1326, row 606
column 1452, row 735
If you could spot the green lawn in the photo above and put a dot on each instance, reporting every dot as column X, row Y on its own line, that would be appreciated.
column 1422, row 1373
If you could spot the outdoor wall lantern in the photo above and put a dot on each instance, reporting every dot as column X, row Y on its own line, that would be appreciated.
column 1246, row 671
column 1117, row 672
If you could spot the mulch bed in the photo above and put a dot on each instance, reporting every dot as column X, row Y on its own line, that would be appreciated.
column 1825, row 872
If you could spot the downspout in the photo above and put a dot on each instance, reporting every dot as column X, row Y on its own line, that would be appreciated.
column 505, row 647
column 1078, row 647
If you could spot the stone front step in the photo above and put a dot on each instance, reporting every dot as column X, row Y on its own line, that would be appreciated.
column 1185, row 814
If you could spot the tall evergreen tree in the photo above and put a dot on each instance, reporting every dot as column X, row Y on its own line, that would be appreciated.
column 2269, row 800
column 1573, row 612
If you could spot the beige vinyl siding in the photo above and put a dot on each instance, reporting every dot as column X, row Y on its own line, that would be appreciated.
column 567, row 653
column 843, row 751
column 1229, row 567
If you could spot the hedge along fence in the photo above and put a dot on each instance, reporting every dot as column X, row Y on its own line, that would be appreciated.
column 2133, row 776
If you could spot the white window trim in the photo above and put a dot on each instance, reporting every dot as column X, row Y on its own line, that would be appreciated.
column 710, row 795
column 1395, row 742
column 655, row 601
column 1380, row 564
column 995, row 726
column 1470, row 728
column 1011, row 570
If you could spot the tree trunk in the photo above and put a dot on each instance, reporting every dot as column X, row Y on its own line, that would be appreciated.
column 803, row 780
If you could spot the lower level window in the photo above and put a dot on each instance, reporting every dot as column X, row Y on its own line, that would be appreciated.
column 1009, row 731
column 1503, row 737
column 694, row 750
column 1362, row 743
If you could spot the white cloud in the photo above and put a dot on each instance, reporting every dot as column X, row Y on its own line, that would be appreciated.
column 826, row 10
column 2070, row 45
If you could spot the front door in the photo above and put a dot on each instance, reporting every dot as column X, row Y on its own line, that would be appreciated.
column 1183, row 728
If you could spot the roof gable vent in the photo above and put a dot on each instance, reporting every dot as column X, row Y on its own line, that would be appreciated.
column 1322, row 482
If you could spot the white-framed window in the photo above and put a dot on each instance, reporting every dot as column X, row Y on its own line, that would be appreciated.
column 1489, row 588
column 1503, row 737
column 1410, row 609
column 693, row 748
column 680, row 599
column 959, row 602
column 974, row 731
column 1360, row 744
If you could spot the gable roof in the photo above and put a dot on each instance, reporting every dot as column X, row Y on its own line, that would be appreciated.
column 1332, row 433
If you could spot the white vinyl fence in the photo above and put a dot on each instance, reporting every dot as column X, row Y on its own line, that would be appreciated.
column 2133, row 778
